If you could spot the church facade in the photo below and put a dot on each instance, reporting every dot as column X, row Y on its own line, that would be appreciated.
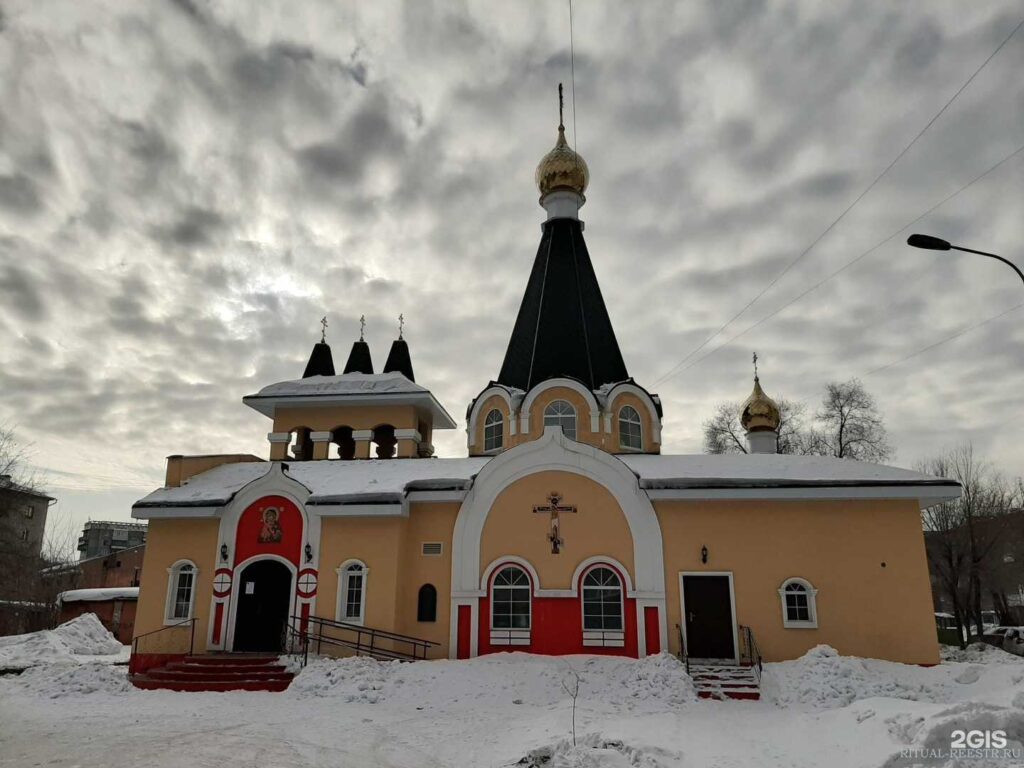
column 564, row 530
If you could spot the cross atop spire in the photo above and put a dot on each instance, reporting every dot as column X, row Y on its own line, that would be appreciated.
column 323, row 329
column 362, row 326
column 755, row 366
column 401, row 325
column 561, row 104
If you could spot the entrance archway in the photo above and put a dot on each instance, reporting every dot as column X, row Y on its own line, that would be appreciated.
column 264, row 600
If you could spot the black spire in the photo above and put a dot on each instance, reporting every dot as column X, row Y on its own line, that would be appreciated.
column 321, row 362
column 399, row 360
column 359, row 360
column 563, row 328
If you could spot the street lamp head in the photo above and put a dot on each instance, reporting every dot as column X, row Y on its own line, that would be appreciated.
column 928, row 242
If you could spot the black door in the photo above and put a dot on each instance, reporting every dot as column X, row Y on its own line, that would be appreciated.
column 264, row 597
column 708, row 605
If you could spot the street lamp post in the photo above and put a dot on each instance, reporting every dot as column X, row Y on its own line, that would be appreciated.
column 937, row 244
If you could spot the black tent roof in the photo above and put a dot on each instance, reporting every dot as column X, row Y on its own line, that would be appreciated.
column 321, row 362
column 359, row 360
column 399, row 360
column 563, row 328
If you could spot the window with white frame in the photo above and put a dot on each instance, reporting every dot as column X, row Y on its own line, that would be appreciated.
column 510, row 599
column 559, row 413
column 352, row 592
column 602, row 600
column 630, row 433
column 799, row 609
column 494, row 427
column 181, row 591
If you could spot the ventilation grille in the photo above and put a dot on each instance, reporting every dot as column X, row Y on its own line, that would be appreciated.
column 432, row 548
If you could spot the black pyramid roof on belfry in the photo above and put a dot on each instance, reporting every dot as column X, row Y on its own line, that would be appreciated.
column 321, row 362
column 563, row 328
column 399, row 360
column 359, row 360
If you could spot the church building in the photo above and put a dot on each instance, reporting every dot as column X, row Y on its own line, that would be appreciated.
column 564, row 529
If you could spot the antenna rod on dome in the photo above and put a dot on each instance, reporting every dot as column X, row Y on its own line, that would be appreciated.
column 561, row 105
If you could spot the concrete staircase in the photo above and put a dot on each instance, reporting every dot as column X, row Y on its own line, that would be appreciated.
column 217, row 672
column 725, row 681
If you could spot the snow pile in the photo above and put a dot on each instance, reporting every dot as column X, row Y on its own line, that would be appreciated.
column 656, row 683
column 979, row 653
column 82, row 636
column 933, row 734
column 822, row 679
column 54, row 681
column 590, row 751
column 358, row 679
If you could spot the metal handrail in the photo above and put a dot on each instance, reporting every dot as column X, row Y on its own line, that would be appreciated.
column 751, row 652
column 300, row 630
column 682, row 649
column 191, row 639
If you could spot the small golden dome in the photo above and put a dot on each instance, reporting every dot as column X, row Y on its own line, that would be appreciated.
column 760, row 413
column 562, row 168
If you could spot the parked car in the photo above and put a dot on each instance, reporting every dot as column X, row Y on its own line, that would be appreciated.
column 1010, row 639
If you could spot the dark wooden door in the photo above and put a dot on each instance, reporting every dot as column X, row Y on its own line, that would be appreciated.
column 707, row 601
column 264, row 598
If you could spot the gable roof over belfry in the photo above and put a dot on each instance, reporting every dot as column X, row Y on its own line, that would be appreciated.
column 563, row 328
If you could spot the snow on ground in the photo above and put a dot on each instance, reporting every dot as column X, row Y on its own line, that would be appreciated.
column 83, row 638
column 512, row 710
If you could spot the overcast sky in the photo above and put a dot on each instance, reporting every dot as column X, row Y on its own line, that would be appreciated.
column 187, row 187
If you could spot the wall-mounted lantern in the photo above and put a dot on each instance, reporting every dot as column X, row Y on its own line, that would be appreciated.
column 309, row 553
column 704, row 554
column 224, row 553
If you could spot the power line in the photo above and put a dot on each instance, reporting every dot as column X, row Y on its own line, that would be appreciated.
column 848, row 264
column 956, row 335
column 849, row 208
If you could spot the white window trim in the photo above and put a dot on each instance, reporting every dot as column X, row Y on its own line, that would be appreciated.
column 639, row 423
column 812, row 604
column 172, row 588
column 610, row 638
column 501, row 431
column 339, row 610
column 517, row 635
column 575, row 417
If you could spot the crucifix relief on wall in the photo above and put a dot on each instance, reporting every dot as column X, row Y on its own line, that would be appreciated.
column 553, row 508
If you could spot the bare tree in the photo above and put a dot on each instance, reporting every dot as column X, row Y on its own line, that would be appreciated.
column 963, row 532
column 723, row 432
column 573, row 690
column 848, row 424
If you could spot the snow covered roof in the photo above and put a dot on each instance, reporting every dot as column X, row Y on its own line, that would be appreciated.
column 95, row 595
column 330, row 482
column 764, row 470
column 350, row 388
column 695, row 476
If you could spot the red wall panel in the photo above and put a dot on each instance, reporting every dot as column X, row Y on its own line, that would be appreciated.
column 252, row 527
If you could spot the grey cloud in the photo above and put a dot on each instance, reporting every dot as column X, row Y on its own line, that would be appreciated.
column 18, row 194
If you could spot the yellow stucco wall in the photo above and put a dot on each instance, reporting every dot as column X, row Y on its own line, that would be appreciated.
column 864, row 609
column 326, row 419
column 168, row 541
column 598, row 528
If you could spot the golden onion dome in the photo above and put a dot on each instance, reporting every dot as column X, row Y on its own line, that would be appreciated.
column 562, row 168
column 760, row 413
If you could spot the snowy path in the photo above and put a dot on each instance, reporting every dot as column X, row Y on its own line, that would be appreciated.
column 824, row 710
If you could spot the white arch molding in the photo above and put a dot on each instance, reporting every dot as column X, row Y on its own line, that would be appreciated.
column 633, row 389
column 544, row 386
column 478, row 404
column 555, row 452
column 294, row 599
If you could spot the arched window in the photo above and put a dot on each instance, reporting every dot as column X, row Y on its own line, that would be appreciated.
column 426, row 603
column 342, row 437
column 630, row 433
column 494, row 427
column 510, row 599
column 602, row 600
column 301, row 446
column 181, row 591
column 799, row 604
column 561, row 414
column 352, row 592
column 384, row 438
